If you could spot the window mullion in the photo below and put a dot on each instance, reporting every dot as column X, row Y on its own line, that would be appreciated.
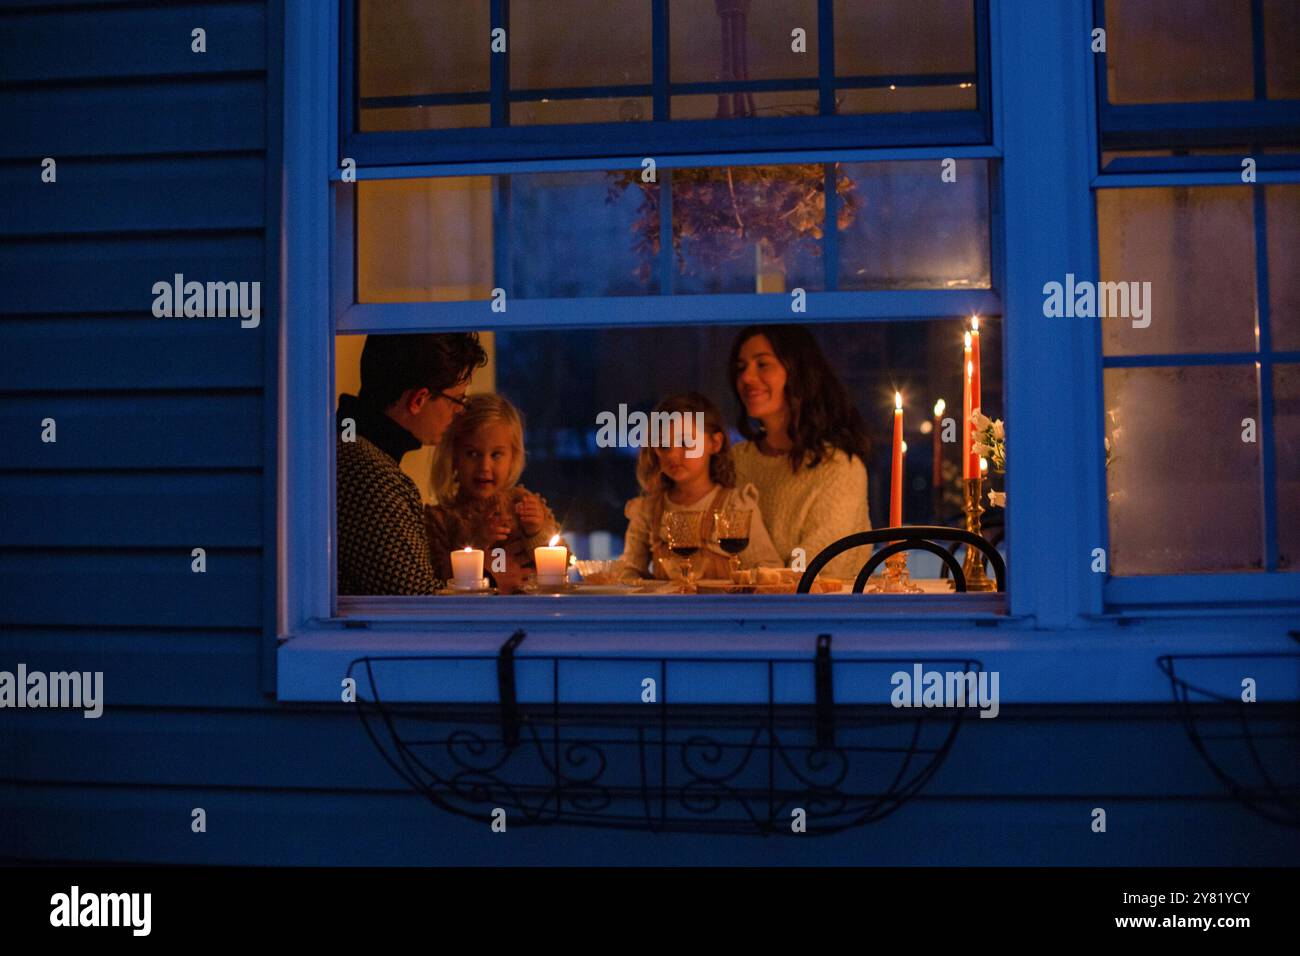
column 500, row 67
column 693, row 160
column 830, row 229
column 1257, row 48
column 666, row 247
column 1264, row 344
column 694, row 309
column 1055, row 483
column 660, row 59
column 501, row 267
column 826, row 57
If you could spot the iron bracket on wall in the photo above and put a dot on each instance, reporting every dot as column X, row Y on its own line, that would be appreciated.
column 1250, row 747
column 506, row 689
column 824, row 693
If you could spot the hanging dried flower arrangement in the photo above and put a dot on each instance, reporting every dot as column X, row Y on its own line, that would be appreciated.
column 720, row 213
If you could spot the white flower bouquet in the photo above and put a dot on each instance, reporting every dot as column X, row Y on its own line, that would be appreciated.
column 990, row 441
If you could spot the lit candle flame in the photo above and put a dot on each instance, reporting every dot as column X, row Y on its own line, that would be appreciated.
column 984, row 465
column 939, row 406
column 468, row 548
column 974, row 323
column 554, row 540
column 898, row 399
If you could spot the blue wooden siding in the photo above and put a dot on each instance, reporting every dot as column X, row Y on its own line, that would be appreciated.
column 167, row 164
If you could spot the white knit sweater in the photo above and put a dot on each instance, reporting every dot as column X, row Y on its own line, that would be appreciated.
column 811, row 507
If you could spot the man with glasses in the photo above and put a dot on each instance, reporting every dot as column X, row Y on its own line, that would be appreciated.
column 412, row 386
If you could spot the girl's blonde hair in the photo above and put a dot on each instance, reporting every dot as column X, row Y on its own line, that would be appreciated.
column 722, row 470
column 479, row 410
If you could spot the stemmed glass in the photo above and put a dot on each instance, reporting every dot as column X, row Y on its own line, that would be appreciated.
column 682, row 529
column 731, row 531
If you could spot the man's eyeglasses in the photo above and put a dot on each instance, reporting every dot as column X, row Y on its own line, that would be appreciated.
column 452, row 398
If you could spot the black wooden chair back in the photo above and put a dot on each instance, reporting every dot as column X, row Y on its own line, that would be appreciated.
column 907, row 538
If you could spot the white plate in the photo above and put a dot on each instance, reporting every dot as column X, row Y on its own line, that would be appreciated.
column 466, row 592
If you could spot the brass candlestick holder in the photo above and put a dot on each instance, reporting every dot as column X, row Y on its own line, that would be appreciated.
column 973, row 566
column 895, row 579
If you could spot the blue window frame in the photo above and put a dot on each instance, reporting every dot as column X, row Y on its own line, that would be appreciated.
column 660, row 133
column 503, row 152
column 1160, row 145
column 953, row 304
column 1194, row 134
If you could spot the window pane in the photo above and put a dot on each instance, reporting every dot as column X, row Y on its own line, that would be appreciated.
column 630, row 109
column 736, row 229
column 906, row 99
column 408, row 48
column 1178, row 51
column 558, row 43
column 1286, row 461
column 574, row 234
column 1282, row 48
column 424, row 240
column 562, row 380
column 460, row 116
column 699, row 106
column 905, row 39
column 909, row 230
column 713, row 40
column 1196, row 247
column 1282, row 214
column 1184, row 489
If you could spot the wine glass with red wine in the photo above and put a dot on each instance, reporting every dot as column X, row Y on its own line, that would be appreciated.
column 731, row 530
column 683, row 529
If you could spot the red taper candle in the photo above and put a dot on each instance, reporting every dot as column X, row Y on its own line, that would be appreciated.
column 967, row 424
column 896, row 479
column 939, row 406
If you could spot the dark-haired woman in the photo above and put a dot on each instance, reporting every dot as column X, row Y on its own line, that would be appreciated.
column 807, row 445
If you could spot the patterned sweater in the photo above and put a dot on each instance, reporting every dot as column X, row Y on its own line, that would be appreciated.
column 809, row 508
column 382, row 544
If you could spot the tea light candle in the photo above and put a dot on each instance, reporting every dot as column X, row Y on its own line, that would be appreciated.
column 552, row 563
column 467, row 568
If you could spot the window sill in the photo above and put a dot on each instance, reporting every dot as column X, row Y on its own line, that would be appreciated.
column 675, row 611
column 451, row 660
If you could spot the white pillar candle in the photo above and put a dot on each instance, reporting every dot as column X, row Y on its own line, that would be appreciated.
column 552, row 563
column 467, row 568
